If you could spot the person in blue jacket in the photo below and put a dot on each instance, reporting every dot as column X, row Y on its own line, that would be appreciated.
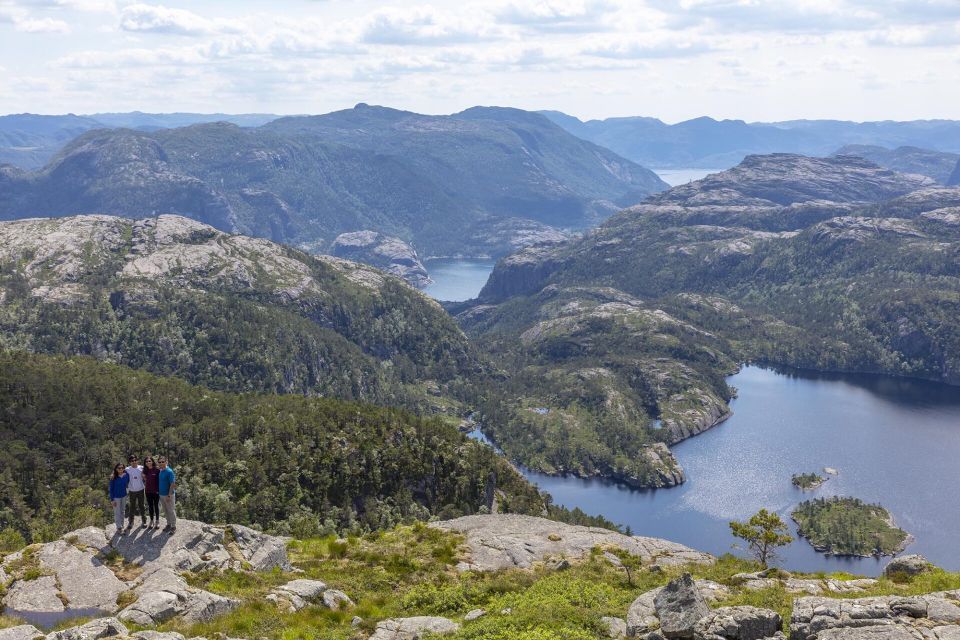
column 168, row 495
column 118, row 495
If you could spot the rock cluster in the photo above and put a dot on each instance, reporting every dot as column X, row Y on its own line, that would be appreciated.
column 507, row 541
column 680, row 610
column 75, row 575
column 297, row 594
column 933, row 616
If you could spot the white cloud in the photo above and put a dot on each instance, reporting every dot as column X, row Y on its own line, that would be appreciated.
column 426, row 26
column 166, row 20
column 558, row 16
column 650, row 45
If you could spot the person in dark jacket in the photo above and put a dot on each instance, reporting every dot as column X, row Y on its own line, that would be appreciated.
column 118, row 495
column 151, row 480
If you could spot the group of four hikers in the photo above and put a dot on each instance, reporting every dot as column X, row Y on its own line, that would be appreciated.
column 154, row 483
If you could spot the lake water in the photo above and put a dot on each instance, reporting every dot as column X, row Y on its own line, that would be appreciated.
column 457, row 279
column 896, row 442
column 674, row 177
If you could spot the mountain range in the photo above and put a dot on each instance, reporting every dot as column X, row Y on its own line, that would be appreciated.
column 447, row 184
column 717, row 144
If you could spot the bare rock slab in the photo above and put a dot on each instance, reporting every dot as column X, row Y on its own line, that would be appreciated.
column 414, row 628
column 505, row 541
column 39, row 595
column 94, row 630
column 21, row 632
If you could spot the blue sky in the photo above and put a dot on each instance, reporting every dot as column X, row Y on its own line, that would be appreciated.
column 672, row 59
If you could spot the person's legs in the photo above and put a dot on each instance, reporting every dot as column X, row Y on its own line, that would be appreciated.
column 135, row 499
column 170, row 511
column 153, row 506
column 140, row 506
column 118, row 507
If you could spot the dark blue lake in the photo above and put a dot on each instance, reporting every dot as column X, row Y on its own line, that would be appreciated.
column 893, row 441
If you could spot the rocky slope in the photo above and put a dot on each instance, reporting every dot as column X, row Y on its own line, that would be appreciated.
column 548, row 582
column 438, row 182
column 172, row 295
column 626, row 334
column 938, row 165
column 393, row 255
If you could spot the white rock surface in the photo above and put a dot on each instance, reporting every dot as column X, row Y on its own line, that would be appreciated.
column 21, row 632
column 413, row 628
column 503, row 541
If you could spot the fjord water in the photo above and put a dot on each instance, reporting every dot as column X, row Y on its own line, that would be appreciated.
column 674, row 177
column 893, row 441
column 457, row 279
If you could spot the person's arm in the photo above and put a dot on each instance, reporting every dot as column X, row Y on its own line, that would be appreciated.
column 173, row 481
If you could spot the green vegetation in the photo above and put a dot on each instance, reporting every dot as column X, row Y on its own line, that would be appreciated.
column 636, row 325
column 763, row 533
column 807, row 481
column 290, row 464
column 849, row 526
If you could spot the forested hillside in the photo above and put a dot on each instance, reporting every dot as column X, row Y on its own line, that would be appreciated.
column 173, row 296
column 286, row 463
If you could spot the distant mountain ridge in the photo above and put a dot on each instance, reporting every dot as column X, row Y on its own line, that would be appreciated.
column 29, row 140
column 446, row 184
column 716, row 144
column 938, row 165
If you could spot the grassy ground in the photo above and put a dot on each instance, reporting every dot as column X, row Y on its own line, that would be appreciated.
column 411, row 571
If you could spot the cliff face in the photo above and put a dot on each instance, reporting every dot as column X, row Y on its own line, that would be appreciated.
column 393, row 255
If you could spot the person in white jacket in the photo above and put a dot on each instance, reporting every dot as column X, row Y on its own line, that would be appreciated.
column 135, row 492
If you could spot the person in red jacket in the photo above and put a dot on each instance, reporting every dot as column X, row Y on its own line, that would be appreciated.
column 151, row 479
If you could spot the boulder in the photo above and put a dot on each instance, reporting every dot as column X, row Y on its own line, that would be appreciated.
column 474, row 614
column 21, row 632
column 297, row 594
column 334, row 599
column 506, row 541
column 94, row 630
column 616, row 627
column 158, row 635
column 910, row 565
column 152, row 608
column 679, row 606
column 642, row 614
column 413, row 628
column 162, row 595
column 263, row 552
column 738, row 623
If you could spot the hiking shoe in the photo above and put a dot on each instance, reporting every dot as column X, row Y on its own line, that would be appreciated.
column 172, row 531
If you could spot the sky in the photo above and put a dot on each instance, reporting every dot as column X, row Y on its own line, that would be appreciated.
column 756, row 60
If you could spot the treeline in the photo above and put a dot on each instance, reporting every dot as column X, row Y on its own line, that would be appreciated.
column 282, row 462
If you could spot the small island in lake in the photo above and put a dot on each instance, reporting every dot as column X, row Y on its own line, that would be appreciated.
column 807, row 481
column 849, row 527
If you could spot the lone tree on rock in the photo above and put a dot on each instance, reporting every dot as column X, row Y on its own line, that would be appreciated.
column 764, row 532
